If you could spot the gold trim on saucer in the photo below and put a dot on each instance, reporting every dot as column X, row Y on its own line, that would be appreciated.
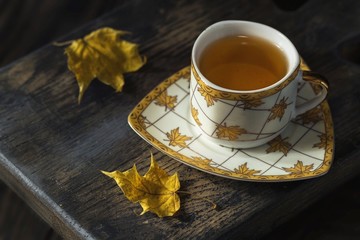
column 300, row 170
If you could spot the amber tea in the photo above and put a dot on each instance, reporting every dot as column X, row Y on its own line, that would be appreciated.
column 243, row 63
column 232, row 59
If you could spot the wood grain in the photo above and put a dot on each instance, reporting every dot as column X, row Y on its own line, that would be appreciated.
column 24, row 27
column 14, row 216
column 52, row 149
column 28, row 25
column 336, row 217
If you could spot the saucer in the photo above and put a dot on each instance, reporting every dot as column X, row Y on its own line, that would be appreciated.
column 303, row 150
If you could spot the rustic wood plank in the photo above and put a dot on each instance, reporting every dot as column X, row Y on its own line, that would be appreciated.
column 18, row 221
column 36, row 23
column 29, row 25
column 52, row 149
column 335, row 217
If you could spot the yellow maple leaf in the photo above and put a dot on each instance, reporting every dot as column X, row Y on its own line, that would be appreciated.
column 143, row 121
column 323, row 141
column 299, row 168
column 155, row 191
column 279, row 144
column 195, row 115
column 245, row 171
column 210, row 100
column 200, row 162
column 249, row 104
column 312, row 116
column 103, row 55
column 165, row 100
column 278, row 110
column 229, row 132
column 176, row 139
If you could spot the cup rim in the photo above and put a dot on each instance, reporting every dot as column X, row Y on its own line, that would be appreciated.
column 289, row 76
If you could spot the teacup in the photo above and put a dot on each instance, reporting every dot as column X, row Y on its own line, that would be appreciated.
column 248, row 118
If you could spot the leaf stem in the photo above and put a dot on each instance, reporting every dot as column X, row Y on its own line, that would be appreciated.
column 184, row 192
column 62, row 44
column 137, row 214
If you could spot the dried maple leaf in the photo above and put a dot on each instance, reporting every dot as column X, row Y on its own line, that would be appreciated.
column 312, row 116
column 165, row 100
column 155, row 191
column 299, row 168
column 279, row 144
column 278, row 110
column 194, row 114
column 210, row 100
column 176, row 139
column 245, row 171
column 103, row 55
column 229, row 132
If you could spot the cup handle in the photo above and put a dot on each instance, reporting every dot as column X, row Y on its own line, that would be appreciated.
column 317, row 79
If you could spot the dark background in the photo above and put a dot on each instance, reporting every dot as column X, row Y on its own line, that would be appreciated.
column 27, row 25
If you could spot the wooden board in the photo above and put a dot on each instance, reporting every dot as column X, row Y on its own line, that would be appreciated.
column 36, row 23
column 51, row 149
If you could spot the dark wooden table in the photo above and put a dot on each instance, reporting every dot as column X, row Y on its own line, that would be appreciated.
column 51, row 149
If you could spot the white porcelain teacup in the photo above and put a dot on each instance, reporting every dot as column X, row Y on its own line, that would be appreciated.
column 245, row 119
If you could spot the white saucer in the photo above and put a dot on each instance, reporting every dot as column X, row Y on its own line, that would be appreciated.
column 304, row 150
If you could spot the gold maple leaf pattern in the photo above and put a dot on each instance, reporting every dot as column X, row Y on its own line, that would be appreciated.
column 279, row 144
column 177, row 139
column 210, row 100
column 316, row 87
column 142, row 121
column 251, row 103
column 201, row 162
column 278, row 110
column 229, row 132
column 194, row 114
column 165, row 100
column 244, row 171
column 299, row 169
column 323, row 140
column 312, row 116
column 303, row 65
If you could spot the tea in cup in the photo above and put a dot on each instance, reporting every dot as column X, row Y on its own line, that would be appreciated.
column 244, row 81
